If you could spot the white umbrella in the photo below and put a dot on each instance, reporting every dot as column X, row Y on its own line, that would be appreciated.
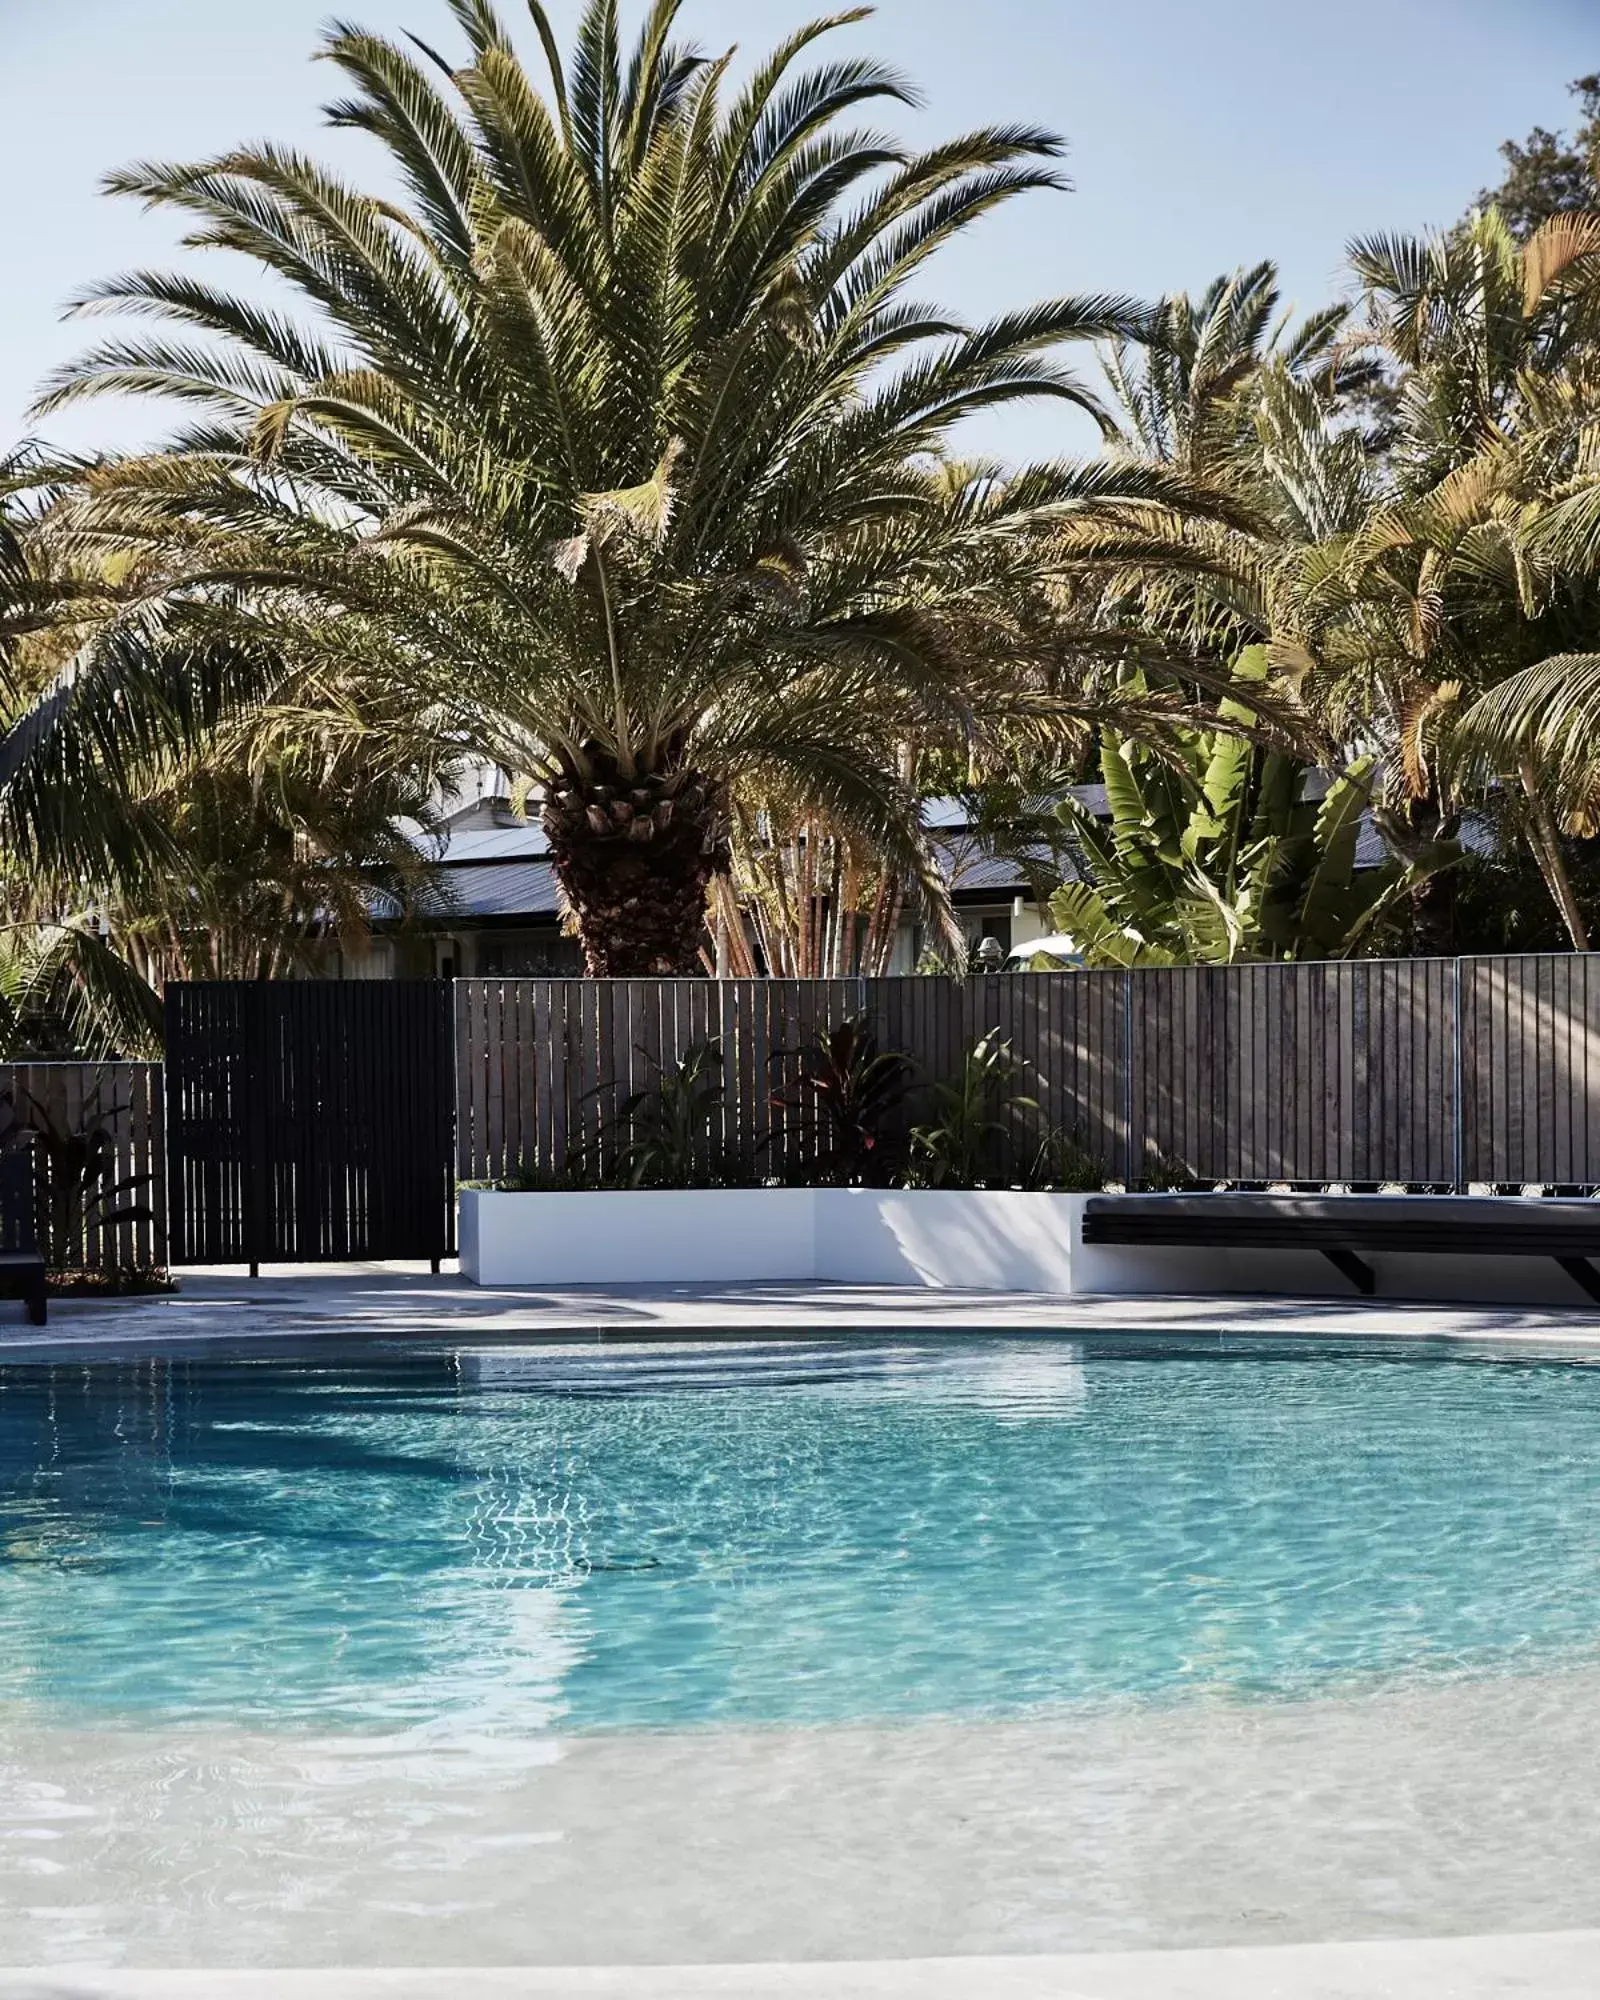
column 1058, row 946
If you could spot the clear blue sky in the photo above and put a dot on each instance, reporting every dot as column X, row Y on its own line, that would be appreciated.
column 1203, row 134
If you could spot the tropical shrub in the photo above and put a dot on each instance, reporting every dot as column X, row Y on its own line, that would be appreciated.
column 82, row 1189
column 672, row 1127
column 849, row 1090
column 967, row 1140
column 1214, row 852
column 1067, row 1162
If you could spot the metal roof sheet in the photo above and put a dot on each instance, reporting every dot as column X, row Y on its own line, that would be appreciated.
column 503, row 872
column 970, row 871
column 498, row 889
column 493, row 843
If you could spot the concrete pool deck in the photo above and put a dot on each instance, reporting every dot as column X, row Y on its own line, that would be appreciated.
column 1558, row 1966
column 401, row 1300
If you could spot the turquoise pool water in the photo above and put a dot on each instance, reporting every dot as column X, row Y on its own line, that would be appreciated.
column 587, row 1540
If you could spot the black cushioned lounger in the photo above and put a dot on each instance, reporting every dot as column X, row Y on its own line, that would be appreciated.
column 1347, row 1229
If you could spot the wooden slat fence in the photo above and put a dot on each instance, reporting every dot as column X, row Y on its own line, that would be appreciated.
column 1530, row 1069
column 1420, row 1072
column 82, row 1188
column 1068, row 1031
column 544, row 1067
column 1299, row 1073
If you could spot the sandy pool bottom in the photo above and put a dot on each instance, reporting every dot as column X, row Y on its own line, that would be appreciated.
column 1423, row 1812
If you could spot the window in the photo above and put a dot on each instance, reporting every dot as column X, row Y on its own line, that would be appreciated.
column 530, row 955
column 979, row 924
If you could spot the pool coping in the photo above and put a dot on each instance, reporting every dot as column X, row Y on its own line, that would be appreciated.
column 1558, row 1965
column 226, row 1311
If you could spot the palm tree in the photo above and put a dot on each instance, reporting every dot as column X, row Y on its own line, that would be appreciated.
column 164, row 812
column 1184, row 388
column 1225, row 393
column 1476, row 320
column 613, row 453
column 1440, row 611
column 1397, row 574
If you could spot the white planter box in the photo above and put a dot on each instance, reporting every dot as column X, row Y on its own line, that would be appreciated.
column 997, row 1240
column 990, row 1241
column 626, row 1236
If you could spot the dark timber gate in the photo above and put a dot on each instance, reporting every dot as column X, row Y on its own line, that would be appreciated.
column 309, row 1121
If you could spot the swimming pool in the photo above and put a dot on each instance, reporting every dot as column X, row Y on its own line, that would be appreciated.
column 417, row 1656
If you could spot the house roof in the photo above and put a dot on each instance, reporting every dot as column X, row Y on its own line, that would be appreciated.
column 971, row 872
column 498, row 889
column 492, row 843
column 490, row 873
column 481, row 872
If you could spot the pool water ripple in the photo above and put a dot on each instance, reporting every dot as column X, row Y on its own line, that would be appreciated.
column 591, row 1540
column 838, row 1650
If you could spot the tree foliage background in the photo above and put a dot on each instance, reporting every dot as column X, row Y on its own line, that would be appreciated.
column 622, row 453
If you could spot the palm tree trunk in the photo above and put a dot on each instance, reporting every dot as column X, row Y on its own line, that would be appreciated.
column 636, row 858
column 731, row 925
column 887, row 905
column 805, row 899
column 1552, row 865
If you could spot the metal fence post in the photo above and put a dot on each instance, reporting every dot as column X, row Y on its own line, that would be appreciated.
column 1127, row 1076
column 1458, row 1069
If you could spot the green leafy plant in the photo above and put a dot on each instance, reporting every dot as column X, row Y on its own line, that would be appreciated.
column 573, row 1176
column 975, row 1120
column 1067, row 1163
column 1166, row 1173
column 115, row 1281
column 849, row 1090
column 83, row 1193
column 673, row 1126
column 1214, row 852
